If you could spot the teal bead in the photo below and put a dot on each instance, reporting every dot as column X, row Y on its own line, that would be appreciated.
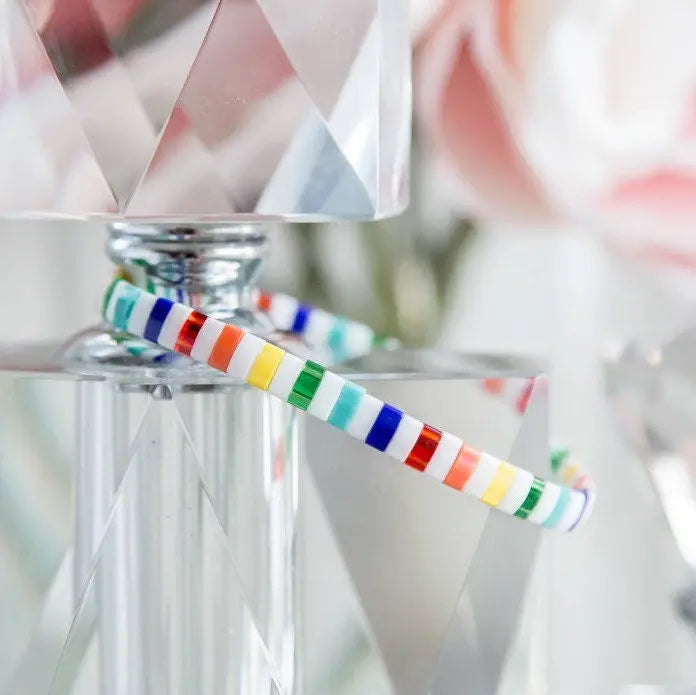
column 337, row 340
column 124, row 308
column 558, row 510
column 346, row 405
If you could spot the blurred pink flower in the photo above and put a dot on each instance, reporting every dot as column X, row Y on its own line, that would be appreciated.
column 567, row 111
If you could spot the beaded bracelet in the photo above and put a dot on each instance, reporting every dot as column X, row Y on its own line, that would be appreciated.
column 343, row 338
column 564, row 465
column 347, row 406
column 347, row 339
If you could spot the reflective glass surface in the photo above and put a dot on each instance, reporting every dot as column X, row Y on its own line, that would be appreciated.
column 181, row 109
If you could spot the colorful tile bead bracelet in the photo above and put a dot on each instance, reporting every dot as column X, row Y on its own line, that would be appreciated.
column 346, row 339
column 310, row 387
column 564, row 465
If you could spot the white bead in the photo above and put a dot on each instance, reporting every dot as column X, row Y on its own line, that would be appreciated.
column 319, row 325
column 326, row 396
column 404, row 438
column 365, row 416
column 444, row 456
column 286, row 376
column 141, row 313
column 247, row 351
column 572, row 511
column 206, row 339
column 517, row 492
column 481, row 478
column 173, row 324
column 283, row 311
column 546, row 503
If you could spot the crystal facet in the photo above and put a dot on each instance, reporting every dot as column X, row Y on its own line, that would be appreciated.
column 207, row 551
column 442, row 580
column 234, row 109
column 653, row 393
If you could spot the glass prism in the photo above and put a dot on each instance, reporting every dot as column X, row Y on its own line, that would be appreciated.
column 443, row 580
column 194, row 541
column 205, row 109
column 652, row 390
column 615, row 587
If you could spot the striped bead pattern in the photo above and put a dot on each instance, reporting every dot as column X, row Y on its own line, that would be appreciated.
column 345, row 339
column 342, row 338
column 309, row 386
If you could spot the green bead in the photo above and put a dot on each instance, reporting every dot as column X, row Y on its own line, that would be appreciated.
column 558, row 456
column 107, row 296
column 533, row 497
column 306, row 385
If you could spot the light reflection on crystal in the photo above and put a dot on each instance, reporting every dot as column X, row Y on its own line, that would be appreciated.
column 479, row 642
column 652, row 389
column 349, row 661
column 192, row 108
column 442, row 580
column 47, row 162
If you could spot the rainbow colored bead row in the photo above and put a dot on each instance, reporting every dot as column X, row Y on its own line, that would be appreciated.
column 346, row 339
column 329, row 397
column 341, row 337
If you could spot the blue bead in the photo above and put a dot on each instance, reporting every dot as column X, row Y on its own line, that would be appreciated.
column 156, row 320
column 384, row 428
column 300, row 323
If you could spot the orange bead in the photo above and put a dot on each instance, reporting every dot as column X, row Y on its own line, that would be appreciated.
column 462, row 468
column 224, row 347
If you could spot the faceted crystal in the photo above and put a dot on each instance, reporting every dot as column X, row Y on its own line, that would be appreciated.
column 653, row 393
column 173, row 569
column 228, row 109
column 442, row 579
column 181, row 541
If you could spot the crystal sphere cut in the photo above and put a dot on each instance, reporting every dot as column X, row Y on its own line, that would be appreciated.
column 185, row 109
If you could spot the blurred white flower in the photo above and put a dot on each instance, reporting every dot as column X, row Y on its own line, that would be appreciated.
column 423, row 12
column 583, row 111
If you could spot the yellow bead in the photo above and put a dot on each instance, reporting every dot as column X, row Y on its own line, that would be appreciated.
column 265, row 366
column 498, row 487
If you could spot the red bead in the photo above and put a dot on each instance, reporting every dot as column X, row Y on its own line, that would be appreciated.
column 494, row 386
column 189, row 332
column 525, row 396
column 264, row 303
column 424, row 448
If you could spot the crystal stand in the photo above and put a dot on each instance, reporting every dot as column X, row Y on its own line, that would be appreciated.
column 183, row 568
column 210, row 551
